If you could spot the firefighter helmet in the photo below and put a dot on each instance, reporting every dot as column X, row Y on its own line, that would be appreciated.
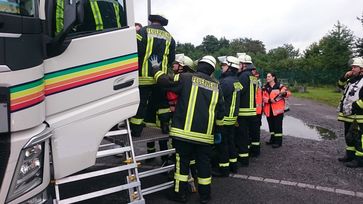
column 357, row 61
column 244, row 58
column 179, row 58
column 188, row 63
column 158, row 18
column 210, row 60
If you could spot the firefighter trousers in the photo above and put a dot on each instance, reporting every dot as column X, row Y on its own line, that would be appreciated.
column 275, row 127
column 354, row 141
column 226, row 150
column 247, row 132
column 185, row 151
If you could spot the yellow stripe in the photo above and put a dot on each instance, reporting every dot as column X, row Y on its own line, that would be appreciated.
column 192, row 162
column 33, row 90
column 164, row 64
column 163, row 110
column 243, row 155
column 350, row 148
column 191, row 106
column 233, row 104
column 223, row 164
column 145, row 64
column 157, row 75
column 88, row 71
column 177, row 171
column 255, row 143
column 220, row 123
column 233, row 160
column 278, row 134
column 117, row 14
column 360, row 103
column 212, row 107
column 194, row 136
column 204, row 181
column 136, row 121
column 176, row 77
column 139, row 37
column 251, row 94
column 97, row 15
column 358, row 154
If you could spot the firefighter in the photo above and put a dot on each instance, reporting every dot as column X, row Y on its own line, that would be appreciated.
column 153, row 40
column 247, row 119
column 350, row 109
column 198, row 116
column 274, row 95
column 231, row 87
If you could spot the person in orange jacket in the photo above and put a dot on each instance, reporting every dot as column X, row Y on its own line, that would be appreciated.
column 274, row 95
column 259, row 105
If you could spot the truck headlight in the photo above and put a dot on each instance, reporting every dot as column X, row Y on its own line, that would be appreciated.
column 29, row 171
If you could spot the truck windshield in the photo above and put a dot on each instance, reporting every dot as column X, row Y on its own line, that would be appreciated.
column 18, row 7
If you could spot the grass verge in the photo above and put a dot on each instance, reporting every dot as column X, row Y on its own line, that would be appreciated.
column 327, row 95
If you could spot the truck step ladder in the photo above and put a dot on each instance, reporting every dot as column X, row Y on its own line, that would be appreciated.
column 119, row 143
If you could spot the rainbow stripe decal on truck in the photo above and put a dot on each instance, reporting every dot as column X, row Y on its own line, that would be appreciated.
column 26, row 95
column 32, row 93
column 86, row 74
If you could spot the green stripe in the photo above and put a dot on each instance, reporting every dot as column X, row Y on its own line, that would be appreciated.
column 96, row 14
column 26, row 86
column 89, row 66
column 164, row 65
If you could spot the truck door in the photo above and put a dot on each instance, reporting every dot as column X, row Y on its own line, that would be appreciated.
column 90, row 76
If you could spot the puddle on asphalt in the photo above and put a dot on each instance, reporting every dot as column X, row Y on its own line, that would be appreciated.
column 297, row 128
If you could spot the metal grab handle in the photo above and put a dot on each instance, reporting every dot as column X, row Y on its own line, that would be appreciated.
column 123, row 85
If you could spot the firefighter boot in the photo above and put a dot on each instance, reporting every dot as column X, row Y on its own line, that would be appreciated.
column 220, row 172
column 244, row 161
column 271, row 141
column 177, row 197
column 348, row 157
column 355, row 163
column 204, row 199
column 277, row 143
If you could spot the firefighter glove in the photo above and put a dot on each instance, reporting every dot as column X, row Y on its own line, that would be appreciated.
column 155, row 63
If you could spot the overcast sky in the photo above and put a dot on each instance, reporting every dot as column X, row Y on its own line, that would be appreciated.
column 274, row 22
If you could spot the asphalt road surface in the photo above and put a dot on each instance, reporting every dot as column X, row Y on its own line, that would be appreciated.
column 304, row 170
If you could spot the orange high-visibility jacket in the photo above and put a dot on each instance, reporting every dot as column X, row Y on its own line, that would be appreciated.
column 274, row 93
column 259, row 101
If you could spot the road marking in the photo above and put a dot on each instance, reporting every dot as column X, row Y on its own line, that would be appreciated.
column 299, row 185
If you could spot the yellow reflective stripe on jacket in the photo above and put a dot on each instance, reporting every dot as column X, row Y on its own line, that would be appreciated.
column 211, row 111
column 350, row 118
column 360, row 103
column 250, row 112
column 146, row 80
column 157, row 75
column 350, row 148
column 219, row 123
column 252, row 95
column 117, row 14
column 180, row 177
column 136, row 121
column 358, row 153
column 145, row 63
column 204, row 181
column 96, row 15
column 163, row 110
column 191, row 106
column 164, row 63
column 229, row 120
column 138, row 37
column 59, row 16
column 193, row 136
column 192, row 162
column 176, row 77
column 233, row 104
column 177, row 171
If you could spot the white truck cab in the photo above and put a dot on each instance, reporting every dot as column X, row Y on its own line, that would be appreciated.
column 60, row 93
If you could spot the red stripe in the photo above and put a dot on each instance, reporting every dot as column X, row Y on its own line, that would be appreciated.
column 27, row 104
column 89, row 80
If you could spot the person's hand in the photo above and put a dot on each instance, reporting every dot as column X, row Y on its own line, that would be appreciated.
column 348, row 74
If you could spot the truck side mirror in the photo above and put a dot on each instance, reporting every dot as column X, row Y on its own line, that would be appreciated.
column 80, row 12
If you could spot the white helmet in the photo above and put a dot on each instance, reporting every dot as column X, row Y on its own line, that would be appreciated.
column 179, row 58
column 188, row 62
column 230, row 61
column 244, row 58
column 358, row 61
column 210, row 60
